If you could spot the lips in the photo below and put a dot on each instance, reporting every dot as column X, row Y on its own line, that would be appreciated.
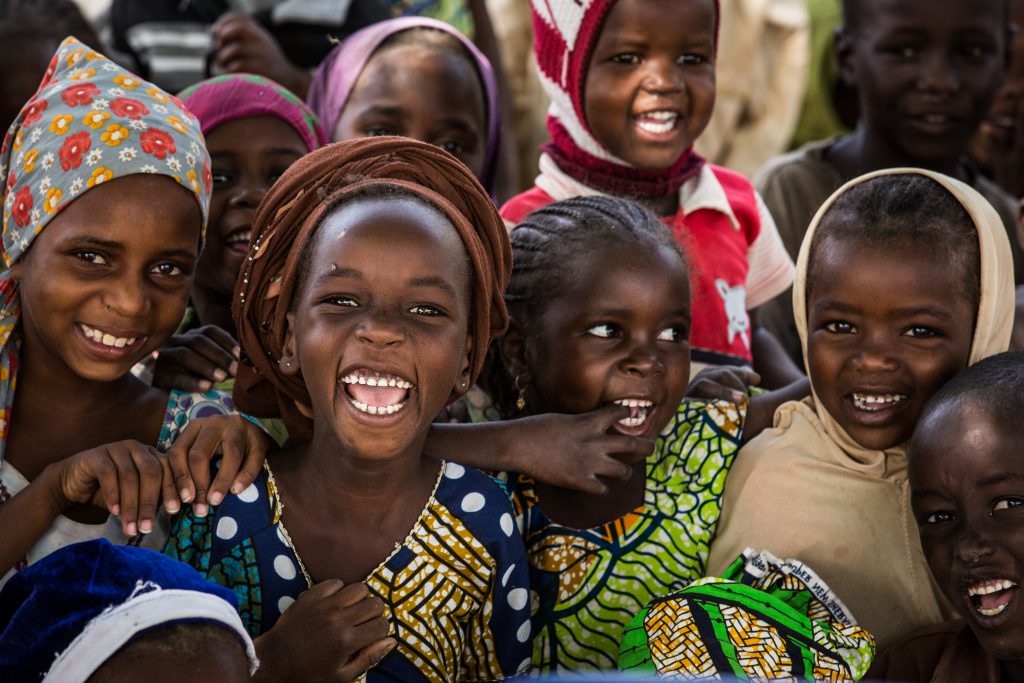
column 936, row 122
column 640, row 413
column 657, row 123
column 988, row 600
column 111, row 342
column 376, row 393
column 238, row 239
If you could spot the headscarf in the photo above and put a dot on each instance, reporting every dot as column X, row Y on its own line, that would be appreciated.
column 763, row 619
column 995, row 309
column 65, row 616
column 222, row 99
column 287, row 220
column 89, row 123
column 564, row 35
column 337, row 75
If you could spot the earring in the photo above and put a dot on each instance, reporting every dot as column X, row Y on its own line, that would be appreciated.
column 108, row 307
column 521, row 398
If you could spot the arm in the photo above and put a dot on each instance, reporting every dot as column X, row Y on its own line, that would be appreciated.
column 761, row 413
column 771, row 361
column 27, row 516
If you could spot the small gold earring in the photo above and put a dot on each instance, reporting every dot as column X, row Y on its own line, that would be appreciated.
column 521, row 398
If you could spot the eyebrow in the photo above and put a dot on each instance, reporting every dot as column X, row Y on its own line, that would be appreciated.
column 111, row 245
column 625, row 312
column 909, row 312
column 434, row 282
column 1003, row 478
column 275, row 151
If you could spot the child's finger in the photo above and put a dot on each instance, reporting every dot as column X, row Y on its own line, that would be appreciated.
column 613, row 468
column 233, row 449
column 351, row 594
column 628, row 449
column 105, row 474
column 257, row 445
column 177, row 459
column 198, row 356
column 200, row 453
column 606, row 416
column 168, row 491
column 717, row 391
column 217, row 352
column 183, row 381
column 128, row 489
column 365, row 658
column 147, row 462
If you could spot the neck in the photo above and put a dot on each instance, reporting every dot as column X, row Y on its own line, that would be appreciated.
column 1012, row 671
column 866, row 150
column 213, row 308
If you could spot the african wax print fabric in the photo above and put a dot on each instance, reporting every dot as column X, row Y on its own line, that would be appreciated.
column 764, row 619
column 182, row 408
column 589, row 583
column 89, row 123
column 223, row 99
column 455, row 590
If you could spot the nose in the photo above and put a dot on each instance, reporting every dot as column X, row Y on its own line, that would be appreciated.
column 876, row 354
column 379, row 329
column 973, row 545
column 643, row 360
column 662, row 75
column 938, row 74
column 248, row 194
column 128, row 296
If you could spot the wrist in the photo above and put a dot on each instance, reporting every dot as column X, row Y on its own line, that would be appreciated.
column 50, row 489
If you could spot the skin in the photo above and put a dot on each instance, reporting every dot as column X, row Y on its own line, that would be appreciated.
column 926, row 78
column 405, row 315
column 248, row 156
column 968, row 498
column 883, row 322
column 420, row 93
column 621, row 332
column 217, row 661
column 638, row 67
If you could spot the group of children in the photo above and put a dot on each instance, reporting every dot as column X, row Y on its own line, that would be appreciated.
column 622, row 496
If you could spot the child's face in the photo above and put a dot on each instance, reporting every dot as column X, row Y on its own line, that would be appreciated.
column 422, row 94
column 622, row 334
column 106, row 282
column 967, row 481
column 247, row 156
column 999, row 128
column 385, row 303
column 886, row 328
column 926, row 73
column 650, row 90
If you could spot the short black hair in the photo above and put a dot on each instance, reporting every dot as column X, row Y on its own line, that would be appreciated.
column 22, row 20
column 182, row 638
column 853, row 9
column 548, row 248
column 905, row 210
column 995, row 385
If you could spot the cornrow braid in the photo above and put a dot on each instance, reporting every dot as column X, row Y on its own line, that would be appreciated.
column 548, row 248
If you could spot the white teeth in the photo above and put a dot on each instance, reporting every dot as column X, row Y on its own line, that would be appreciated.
column 377, row 410
column 992, row 612
column 656, row 126
column 633, row 403
column 876, row 401
column 106, row 339
column 640, row 418
column 989, row 587
column 376, row 380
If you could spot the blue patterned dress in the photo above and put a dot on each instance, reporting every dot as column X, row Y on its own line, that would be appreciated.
column 455, row 589
column 588, row 583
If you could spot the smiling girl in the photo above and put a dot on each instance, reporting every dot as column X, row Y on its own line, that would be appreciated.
column 372, row 295
column 632, row 86
column 904, row 279
column 105, row 193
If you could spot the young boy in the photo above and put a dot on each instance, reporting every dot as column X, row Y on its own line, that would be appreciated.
column 926, row 76
column 967, row 492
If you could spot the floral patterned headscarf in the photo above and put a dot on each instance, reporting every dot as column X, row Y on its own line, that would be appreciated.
column 89, row 122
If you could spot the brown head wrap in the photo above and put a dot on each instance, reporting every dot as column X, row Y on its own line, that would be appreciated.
column 288, row 219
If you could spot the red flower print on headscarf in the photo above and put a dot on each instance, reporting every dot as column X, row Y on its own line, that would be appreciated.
column 34, row 112
column 72, row 150
column 157, row 142
column 125, row 106
column 79, row 94
column 22, row 207
column 207, row 176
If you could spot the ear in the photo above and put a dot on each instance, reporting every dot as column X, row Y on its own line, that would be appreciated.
column 843, row 47
column 513, row 351
column 462, row 384
column 289, row 362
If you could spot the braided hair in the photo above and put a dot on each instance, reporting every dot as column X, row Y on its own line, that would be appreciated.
column 548, row 249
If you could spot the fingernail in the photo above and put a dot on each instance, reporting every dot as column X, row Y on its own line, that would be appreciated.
column 172, row 507
column 737, row 397
column 233, row 368
column 220, row 375
column 132, row 529
column 185, row 495
column 216, row 497
column 115, row 510
column 205, row 385
column 200, row 509
column 237, row 351
column 146, row 526
column 237, row 488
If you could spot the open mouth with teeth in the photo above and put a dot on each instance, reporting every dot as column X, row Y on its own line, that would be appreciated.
column 376, row 393
column 657, row 122
column 874, row 403
column 640, row 411
column 991, row 598
column 238, row 240
column 108, row 340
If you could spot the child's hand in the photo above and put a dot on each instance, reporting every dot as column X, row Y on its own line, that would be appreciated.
column 333, row 633
column 125, row 478
column 723, row 384
column 194, row 361
column 245, row 46
column 243, row 447
column 576, row 451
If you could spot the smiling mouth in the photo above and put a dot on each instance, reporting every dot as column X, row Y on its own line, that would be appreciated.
column 376, row 393
column 238, row 240
column 639, row 411
column 105, row 338
column 874, row 403
column 657, row 122
column 991, row 598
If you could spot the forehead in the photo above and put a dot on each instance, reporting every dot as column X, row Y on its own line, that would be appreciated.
column 254, row 133
column 927, row 15
column 651, row 19
column 402, row 72
column 960, row 444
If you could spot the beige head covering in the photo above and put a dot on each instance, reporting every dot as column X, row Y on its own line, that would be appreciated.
column 995, row 310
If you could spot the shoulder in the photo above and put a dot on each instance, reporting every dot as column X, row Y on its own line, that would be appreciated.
column 916, row 656
column 1001, row 200
column 800, row 163
column 522, row 205
column 479, row 501
column 706, row 419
